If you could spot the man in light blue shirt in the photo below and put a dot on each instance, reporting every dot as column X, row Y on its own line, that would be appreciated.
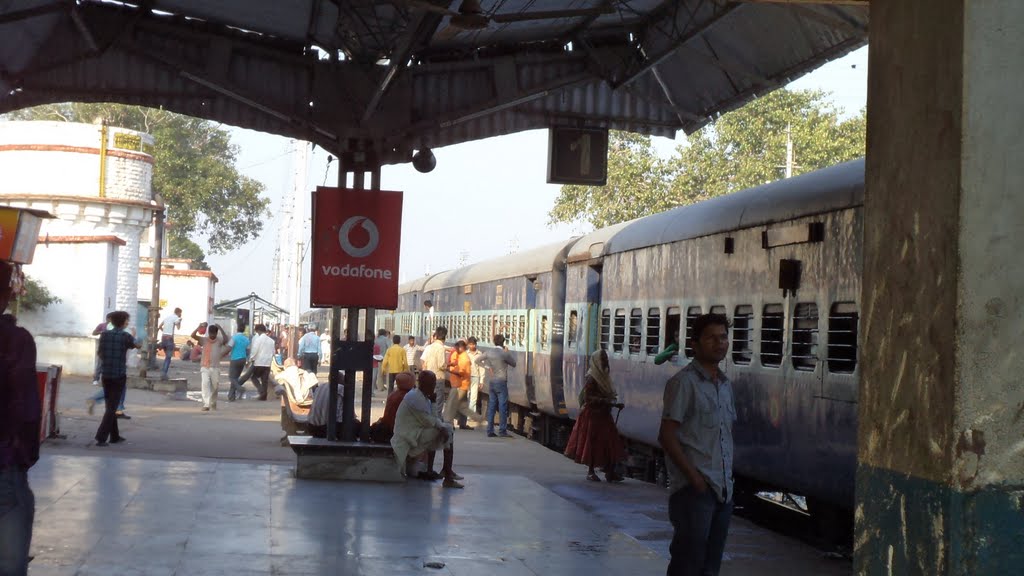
column 309, row 350
column 239, row 354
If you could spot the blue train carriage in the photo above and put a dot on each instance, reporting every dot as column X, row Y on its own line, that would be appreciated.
column 783, row 262
column 409, row 318
column 522, row 297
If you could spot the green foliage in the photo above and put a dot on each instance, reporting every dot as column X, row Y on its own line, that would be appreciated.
column 36, row 296
column 743, row 148
column 638, row 185
column 185, row 248
column 194, row 172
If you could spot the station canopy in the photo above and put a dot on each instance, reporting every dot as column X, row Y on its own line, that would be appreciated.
column 393, row 76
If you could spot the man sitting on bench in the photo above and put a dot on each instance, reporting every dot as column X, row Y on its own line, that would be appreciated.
column 418, row 431
column 318, row 412
column 382, row 430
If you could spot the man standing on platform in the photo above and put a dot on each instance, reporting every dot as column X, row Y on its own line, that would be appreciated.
column 114, row 346
column 497, row 361
column 239, row 354
column 411, row 352
column 394, row 362
column 380, row 347
column 20, row 413
column 696, row 435
column 169, row 324
column 309, row 350
column 262, row 353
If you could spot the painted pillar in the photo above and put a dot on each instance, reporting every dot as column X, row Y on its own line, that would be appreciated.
column 940, row 480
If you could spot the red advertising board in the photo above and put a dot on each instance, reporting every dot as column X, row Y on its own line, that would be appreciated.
column 356, row 243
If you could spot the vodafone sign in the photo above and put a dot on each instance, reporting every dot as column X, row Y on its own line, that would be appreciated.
column 356, row 242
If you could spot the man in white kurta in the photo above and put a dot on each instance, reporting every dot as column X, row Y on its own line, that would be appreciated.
column 418, row 430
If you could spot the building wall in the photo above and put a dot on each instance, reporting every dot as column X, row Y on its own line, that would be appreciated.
column 55, row 166
column 193, row 293
column 84, row 277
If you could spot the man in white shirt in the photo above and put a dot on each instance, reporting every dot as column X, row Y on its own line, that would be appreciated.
column 411, row 349
column 262, row 354
column 418, row 431
column 325, row 348
column 169, row 324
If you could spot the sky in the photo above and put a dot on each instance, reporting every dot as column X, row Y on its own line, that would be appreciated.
column 485, row 198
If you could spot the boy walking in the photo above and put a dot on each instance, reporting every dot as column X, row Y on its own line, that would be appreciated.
column 114, row 346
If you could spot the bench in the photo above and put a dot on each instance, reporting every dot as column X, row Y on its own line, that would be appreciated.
column 321, row 459
column 173, row 385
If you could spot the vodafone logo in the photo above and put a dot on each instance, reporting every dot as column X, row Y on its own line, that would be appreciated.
column 346, row 230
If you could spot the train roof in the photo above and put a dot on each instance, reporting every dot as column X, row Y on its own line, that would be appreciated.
column 415, row 285
column 526, row 263
column 833, row 188
column 595, row 244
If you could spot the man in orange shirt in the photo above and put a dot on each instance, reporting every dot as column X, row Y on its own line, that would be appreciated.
column 461, row 369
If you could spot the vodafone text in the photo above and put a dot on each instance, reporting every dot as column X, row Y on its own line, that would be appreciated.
column 353, row 271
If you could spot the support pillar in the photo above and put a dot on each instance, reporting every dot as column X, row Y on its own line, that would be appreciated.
column 940, row 479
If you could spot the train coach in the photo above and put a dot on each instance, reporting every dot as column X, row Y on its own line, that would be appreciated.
column 782, row 261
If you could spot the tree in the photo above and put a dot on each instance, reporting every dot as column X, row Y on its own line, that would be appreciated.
column 744, row 148
column 34, row 296
column 194, row 172
column 185, row 248
column 638, row 185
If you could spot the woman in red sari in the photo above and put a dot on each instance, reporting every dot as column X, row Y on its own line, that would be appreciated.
column 595, row 440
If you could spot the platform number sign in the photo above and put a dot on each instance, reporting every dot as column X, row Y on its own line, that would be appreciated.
column 578, row 156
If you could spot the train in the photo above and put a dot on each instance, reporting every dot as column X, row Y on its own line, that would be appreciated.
column 782, row 261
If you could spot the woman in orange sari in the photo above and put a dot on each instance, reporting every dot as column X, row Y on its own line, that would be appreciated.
column 595, row 440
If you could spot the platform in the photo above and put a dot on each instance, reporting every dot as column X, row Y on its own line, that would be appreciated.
column 206, row 493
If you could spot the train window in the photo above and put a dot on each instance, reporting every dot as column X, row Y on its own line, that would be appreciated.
column 673, row 321
column 772, row 322
column 543, row 332
column 620, row 331
column 741, row 345
column 491, row 328
column 636, row 330
column 574, row 321
column 805, row 336
column 691, row 316
column 653, row 330
column 720, row 310
column 522, row 330
column 606, row 328
column 842, row 337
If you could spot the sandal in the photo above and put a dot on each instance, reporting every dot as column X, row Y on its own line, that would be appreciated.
column 593, row 477
column 451, row 483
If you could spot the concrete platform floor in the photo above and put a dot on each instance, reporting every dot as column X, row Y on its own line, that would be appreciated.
column 195, row 493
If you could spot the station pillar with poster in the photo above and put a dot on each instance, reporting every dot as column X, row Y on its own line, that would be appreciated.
column 356, row 243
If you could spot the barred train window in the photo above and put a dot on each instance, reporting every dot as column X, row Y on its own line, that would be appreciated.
column 805, row 336
column 842, row 338
column 636, row 327
column 653, row 330
column 620, row 331
column 772, row 321
column 522, row 330
column 573, row 325
column 691, row 316
column 606, row 328
column 543, row 332
column 673, row 322
column 741, row 325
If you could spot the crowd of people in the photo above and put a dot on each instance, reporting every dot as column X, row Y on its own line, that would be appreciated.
column 431, row 392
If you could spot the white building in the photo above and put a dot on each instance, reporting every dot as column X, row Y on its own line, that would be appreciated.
column 180, row 287
column 97, row 182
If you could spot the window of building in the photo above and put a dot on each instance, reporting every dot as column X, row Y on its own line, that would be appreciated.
column 543, row 332
column 636, row 330
column 606, row 328
column 673, row 323
column 620, row 331
column 742, row 351
column 653, row 330
column 772, row 322
column 573, row 326
column 805, row 336
column 842, row 338
column 691, row 316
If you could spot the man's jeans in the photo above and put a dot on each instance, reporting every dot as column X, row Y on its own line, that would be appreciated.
column 310, row 361
column 234, row 371
column 17, row 508
column 167, row 343
column 701, row 524
column 497, row 399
